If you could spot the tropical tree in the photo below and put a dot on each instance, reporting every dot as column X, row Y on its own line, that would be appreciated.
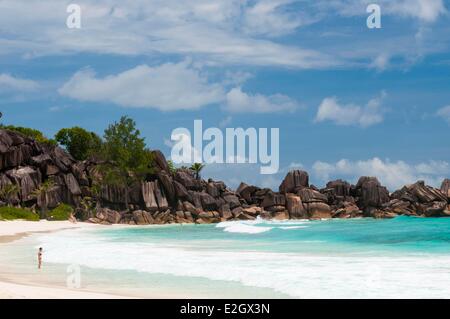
column 8, row 192
column 41, row 194
column 79, row 143
column 172, row 168
column 197, row 168
column 127, row 158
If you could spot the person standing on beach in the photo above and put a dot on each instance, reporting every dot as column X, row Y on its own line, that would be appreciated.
column 40, row 258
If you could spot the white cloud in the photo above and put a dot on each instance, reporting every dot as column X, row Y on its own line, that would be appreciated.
column 167, row 87
column 273, row 18
column 331, row 110
column 216, row 32
column 225, row 122
column 238, row 101
column 381, row 62
column 444, row 113
column 11, row 83
column 424, row 10
column 170, row 87
column 391, row 174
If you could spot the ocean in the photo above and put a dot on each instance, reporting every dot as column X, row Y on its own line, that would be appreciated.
column 405, row 257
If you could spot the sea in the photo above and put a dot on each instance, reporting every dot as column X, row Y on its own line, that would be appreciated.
column 404, row 257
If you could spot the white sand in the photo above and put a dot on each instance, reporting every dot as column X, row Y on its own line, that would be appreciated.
column 13, row 230
column 18, row 227
column 18, row 291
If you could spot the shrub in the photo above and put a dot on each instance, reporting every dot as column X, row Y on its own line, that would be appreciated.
column 62, row 212
column 11, row 213
column 31, row 133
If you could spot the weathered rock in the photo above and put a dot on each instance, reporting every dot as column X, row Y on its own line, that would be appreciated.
column 273, row 199
column 28, row 180
column 281, row 215
column 308, row 195
column 247, row 192
column 237, row 211
column 16, row 156
column 208, row 202
column 339, row 187
column 318, row 210
column 349, row 210
column 424, row 193
column 167, row 184
column 400, row 207
column 186, row 178
column 244, row 216
column 372, row 194
column 180, row 191
column 95, row 220
column 72, row 185
column 295, row 207
column 276, row 208
column 4, row 182
column 225, row 212
column 380, row 214
column 114, row 194
column 160, row 161
column 445, row 188
column 252, row 211
column 160, row 197
column 109, row 215
column 62, row 159
column 294, row 181
column 436, row 209
column 212, row 190
column 191, row 209
column 232, row 200
column 79, row 171
column 142, row 217
column 148, row 194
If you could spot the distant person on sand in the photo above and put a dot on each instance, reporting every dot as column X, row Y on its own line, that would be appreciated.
column 40, row 258
column 72, row 219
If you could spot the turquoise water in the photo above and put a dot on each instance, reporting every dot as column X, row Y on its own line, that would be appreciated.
column 359, row 258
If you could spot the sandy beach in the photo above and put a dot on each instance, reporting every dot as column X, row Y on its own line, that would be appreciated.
column 15, row 230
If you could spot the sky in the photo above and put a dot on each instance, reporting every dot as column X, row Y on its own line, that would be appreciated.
column 348, row 100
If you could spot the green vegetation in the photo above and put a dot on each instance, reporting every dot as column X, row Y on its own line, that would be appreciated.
column 11, row 213
column 197, row 168
column 124, row 158
column 128, row 158
column 62, row 212
column 8, row 192
column 31, row 133
column 78, row 142
column 41, row 195
column 172, row 168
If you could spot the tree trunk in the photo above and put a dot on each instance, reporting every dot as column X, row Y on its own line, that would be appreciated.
column 126, row 198
column 43, row 214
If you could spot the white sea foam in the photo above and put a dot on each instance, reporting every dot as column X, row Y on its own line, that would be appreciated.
column 298, row 275
column 247, row 229
column 293, row 227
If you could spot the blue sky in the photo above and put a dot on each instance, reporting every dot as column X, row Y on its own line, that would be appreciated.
column 348, row 100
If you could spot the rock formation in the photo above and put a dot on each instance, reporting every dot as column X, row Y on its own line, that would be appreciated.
column 179, row 197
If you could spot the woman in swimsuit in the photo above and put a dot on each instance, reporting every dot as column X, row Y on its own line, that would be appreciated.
column 40, row 258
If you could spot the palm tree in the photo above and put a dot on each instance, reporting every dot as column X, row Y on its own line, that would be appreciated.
column 9, row 192
column 197, row 168
column 41, row 194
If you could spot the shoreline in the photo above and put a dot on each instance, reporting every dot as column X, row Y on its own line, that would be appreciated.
column 13, row 288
